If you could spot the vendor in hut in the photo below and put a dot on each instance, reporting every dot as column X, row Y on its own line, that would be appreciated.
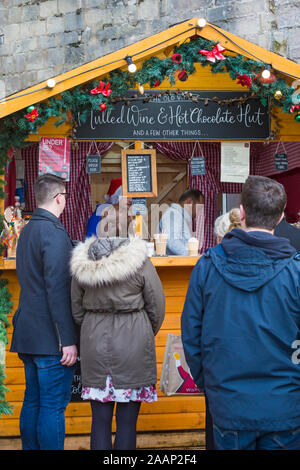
column 177, row 222
column 111, row 211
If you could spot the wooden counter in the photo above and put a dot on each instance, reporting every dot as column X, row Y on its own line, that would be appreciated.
column 176, row 413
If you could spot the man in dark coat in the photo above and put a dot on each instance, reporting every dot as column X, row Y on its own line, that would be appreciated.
column 44, row 333
column 286, row 230
column 240, row 327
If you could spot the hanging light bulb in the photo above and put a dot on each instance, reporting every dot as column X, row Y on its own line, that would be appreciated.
column 131, row 65
column 266, row 73
column 201, row 22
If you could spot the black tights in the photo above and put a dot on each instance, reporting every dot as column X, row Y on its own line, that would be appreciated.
column 126, row 418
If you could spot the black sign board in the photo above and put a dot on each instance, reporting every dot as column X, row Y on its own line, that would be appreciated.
column 197, row 166
column 93, row 164
column 139, row 206
column 139, row 177
column 281, row 161
column 76, row 383
column 171, row 116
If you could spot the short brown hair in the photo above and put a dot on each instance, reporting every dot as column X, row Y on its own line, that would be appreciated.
column 263, row 200
column 195, row 194
column 46, row 187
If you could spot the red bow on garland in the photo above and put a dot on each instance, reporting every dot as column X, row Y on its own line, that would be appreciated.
column 293, row 107
column 215, row 54
column 102, row 88
column 32, row 115
column 244, row 80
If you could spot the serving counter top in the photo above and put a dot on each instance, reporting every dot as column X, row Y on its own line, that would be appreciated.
column 165, row 261
column 7, row 263
column 159, row 261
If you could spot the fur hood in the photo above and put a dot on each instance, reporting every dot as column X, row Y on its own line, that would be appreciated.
column 121, row 264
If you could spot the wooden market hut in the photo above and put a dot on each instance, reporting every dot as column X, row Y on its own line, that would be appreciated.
column 174, row 421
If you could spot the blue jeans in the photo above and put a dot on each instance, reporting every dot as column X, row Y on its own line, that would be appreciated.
column 47, row 394
column 256, row 440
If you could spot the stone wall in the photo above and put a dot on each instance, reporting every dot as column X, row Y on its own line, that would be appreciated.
column 42, row 38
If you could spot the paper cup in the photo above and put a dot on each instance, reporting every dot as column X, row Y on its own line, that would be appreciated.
column 160, row 248
column 193, row 248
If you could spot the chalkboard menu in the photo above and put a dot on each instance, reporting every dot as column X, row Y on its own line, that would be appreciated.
column 197, row 165
column 139, row 173
column 167, row 116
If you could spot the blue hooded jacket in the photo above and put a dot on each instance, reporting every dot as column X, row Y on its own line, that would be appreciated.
column 240, row 320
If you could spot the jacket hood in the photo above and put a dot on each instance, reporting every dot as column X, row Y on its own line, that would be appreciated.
column 121, row 264
column 248, row 260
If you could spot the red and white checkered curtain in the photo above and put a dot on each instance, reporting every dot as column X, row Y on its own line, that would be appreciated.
column 265, row 164
column 79, row 205
column 209, row 184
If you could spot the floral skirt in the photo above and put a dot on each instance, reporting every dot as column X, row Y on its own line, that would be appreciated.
column 110, row 393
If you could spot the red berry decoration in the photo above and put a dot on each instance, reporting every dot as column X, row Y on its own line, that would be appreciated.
column 102, row 107
column 270, row 79
column 182, row 75
column 177, row 58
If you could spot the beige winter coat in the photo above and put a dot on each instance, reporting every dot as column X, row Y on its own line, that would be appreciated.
column 120, row 304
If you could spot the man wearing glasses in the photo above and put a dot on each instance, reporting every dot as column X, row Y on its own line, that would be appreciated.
column 44, row 334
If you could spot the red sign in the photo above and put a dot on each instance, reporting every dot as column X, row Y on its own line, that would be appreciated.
column 54, row 156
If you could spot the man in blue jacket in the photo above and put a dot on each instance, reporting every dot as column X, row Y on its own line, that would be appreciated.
column 44, row 334
column 240, row 325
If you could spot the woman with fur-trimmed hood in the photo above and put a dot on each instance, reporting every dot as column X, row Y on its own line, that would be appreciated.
column 118, row 300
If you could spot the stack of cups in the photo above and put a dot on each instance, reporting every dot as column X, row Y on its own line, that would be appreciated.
column 161, row 243
column 193, row 246
column 150, row 249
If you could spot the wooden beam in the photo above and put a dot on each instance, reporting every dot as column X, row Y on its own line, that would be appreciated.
column 249, row 49
column 169, row 187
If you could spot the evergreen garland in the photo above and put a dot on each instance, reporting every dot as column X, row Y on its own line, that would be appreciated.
column 5, row 308
column 14, row 129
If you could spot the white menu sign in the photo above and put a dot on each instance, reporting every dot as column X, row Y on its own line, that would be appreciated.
column 235, row 162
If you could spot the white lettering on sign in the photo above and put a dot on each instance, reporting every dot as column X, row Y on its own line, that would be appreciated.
column 53, row 141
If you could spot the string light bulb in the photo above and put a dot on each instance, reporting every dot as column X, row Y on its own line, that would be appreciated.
column 201, row 22
column 131, row 65
column 51, row 83
column 266, row 73
column 141, row 89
